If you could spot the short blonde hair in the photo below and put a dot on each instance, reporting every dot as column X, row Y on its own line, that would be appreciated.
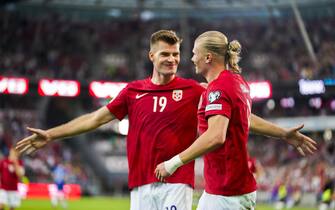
column 217, row 43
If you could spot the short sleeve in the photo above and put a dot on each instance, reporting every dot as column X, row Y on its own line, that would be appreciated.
column 118, row 106
column 218, row 103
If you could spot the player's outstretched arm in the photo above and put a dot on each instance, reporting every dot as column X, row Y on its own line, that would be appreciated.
column 214, row 137
column 303, row 143
column 79, row 125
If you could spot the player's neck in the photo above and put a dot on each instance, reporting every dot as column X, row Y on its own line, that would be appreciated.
column 214, row 73
column 161, row 79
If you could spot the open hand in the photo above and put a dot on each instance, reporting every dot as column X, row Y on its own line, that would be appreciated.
column 304, row 144
column 30, row 144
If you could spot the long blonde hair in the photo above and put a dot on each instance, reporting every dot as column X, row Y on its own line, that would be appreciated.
column 217, row 43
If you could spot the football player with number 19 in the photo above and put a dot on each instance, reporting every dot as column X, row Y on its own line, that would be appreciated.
column 162, row 112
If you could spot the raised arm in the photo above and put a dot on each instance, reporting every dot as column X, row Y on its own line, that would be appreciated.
column 79, row 125
column 303, row 143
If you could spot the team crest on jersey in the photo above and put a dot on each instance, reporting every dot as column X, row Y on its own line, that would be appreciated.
column 213, row 96
column 177, row 95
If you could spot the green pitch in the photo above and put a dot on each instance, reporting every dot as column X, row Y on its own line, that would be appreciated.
column 103, row 203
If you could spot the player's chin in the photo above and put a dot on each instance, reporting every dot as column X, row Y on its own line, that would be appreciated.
column 171, row 70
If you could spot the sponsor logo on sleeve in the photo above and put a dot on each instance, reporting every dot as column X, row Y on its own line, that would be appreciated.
column 177, row 95
column 213, row 96
column 211, row 107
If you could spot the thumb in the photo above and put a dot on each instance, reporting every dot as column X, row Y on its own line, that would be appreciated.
column 296, row 128
column 36, row 131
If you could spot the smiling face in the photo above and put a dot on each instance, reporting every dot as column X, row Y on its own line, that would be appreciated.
column 165, row 58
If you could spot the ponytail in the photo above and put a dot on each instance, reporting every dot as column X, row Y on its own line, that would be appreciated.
column 233, row 56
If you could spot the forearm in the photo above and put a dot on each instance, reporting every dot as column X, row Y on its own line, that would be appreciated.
column 205, row 143
column 266, row 128
column 213, row 138
column 81, row 124
column 74, row 127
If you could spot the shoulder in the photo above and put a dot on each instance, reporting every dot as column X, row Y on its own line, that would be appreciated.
column 190, row 83
column 137, row 83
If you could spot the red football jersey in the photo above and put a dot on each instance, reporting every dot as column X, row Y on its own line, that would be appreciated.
column 252, row 164
column 226, row 168
column 162, row 123
column 9, row 179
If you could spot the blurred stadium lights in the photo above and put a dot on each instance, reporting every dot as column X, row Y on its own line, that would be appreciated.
column 147, row 15
column 309, row 87
column 11, row 85
column 114, row 13
column 315, row 102
column 259, row 90
column 329, row 81
column 270, row 104
column 66, row 88
column 103, row 89
column 332, row 105
column 287, row 102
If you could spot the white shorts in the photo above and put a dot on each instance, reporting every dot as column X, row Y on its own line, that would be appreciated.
column 218, row 202
column 161, row 196
column 10, row 198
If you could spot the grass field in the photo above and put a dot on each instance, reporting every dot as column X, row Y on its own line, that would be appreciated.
column 103, row 203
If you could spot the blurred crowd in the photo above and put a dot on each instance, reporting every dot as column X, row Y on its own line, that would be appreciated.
column 57, row 46
column 39, row 166
column 287, row 176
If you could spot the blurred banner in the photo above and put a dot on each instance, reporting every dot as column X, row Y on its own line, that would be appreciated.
column 45, row 190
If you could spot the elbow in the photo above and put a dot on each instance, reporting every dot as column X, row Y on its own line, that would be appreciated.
column 218, row 140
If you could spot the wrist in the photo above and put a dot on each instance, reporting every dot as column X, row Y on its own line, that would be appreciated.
column 173, row 164
column 48, row 136
column 284, row 134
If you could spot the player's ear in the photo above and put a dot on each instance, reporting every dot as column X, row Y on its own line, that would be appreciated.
column 151, row 56
column 209, row 58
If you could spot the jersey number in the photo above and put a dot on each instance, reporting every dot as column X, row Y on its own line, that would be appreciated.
column 173, row 207
column 160, row 103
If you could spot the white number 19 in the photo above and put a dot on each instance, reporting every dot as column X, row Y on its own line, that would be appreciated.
column 161, row 102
